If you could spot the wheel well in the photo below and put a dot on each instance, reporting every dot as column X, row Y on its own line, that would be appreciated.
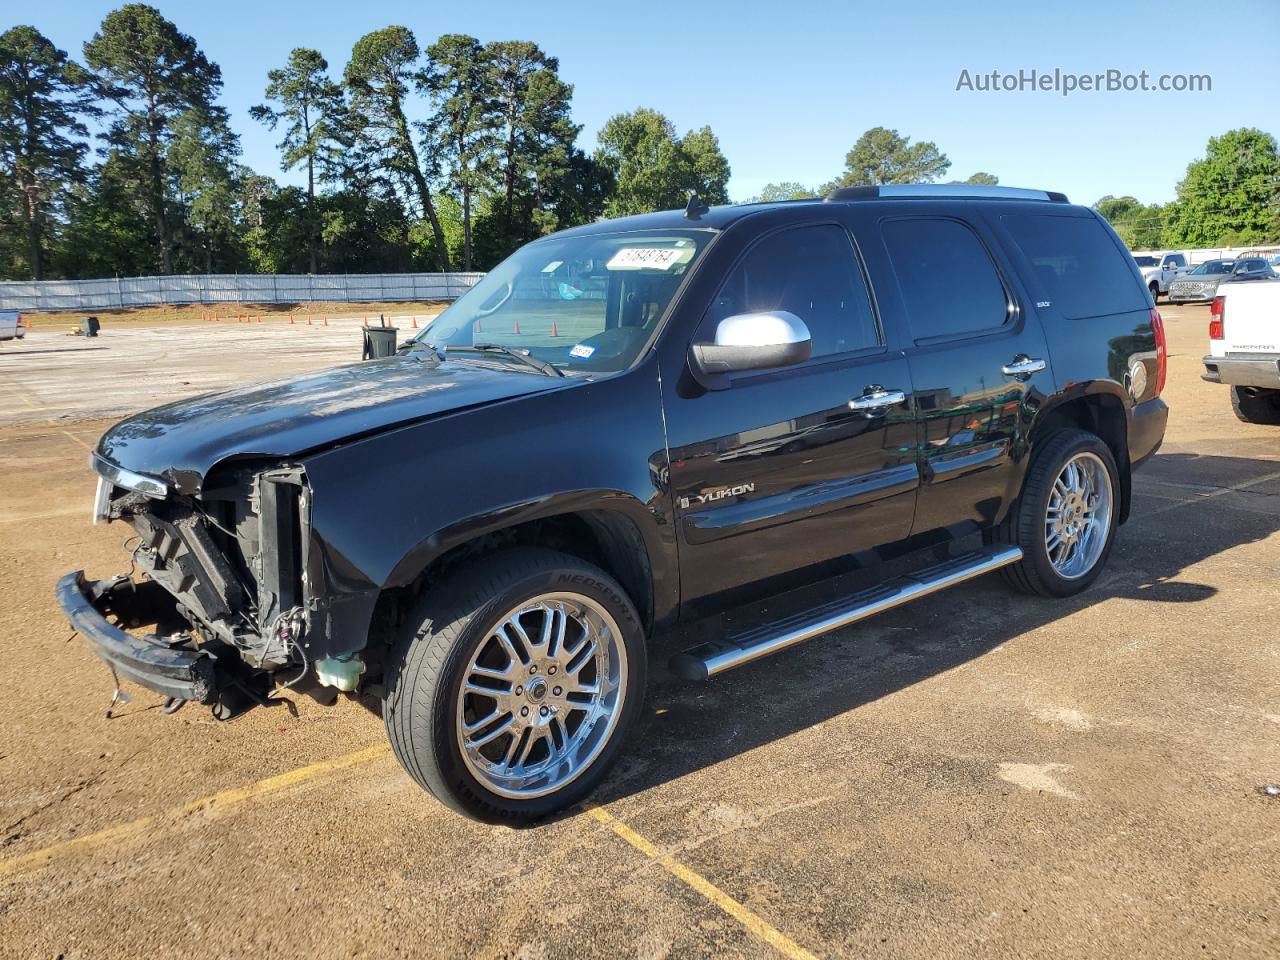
column 605, row 538
column 1100, row 414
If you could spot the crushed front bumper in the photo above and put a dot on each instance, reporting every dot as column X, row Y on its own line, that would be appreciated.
column 183, row 674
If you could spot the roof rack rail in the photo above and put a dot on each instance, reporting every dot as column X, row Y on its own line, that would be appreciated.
column 965, row 191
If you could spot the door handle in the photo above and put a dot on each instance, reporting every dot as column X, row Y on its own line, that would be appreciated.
column 877, row 398
column 1022, row 366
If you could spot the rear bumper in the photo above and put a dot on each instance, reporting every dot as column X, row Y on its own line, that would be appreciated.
column 1146, row 430
column 170, row 671
column 1243, row 371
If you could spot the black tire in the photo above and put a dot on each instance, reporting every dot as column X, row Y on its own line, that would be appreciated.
column 1255, row 405
column 1024, row 526
column 1155, row 292
column 445, row 628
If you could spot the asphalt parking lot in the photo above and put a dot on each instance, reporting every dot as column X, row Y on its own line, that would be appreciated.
column 977, row 774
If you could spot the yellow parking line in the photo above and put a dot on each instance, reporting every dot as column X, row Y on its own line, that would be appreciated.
column 752, row 921
column 213, row 805
column 72, row 436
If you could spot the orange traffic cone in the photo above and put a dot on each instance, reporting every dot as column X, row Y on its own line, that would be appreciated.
column 326, row 321
column 554, row 331
column 515, row 326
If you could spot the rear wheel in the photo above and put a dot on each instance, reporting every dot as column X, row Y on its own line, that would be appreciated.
column 516, row 685
column 1065, row 518
column 1256, row 405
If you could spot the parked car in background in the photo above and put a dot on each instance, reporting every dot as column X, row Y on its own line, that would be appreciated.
column 1251, row 268
column 1244, row 348
column 11, row 325
column 1201, row 284
column 1159, row 269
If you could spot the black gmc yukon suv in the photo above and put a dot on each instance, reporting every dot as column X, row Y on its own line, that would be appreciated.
column 621, row 426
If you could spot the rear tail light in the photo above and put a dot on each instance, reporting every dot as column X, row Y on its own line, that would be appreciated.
column 1216, row 312
column 1162, row 350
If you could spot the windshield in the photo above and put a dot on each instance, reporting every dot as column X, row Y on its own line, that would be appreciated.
column 1213, row 266
column 1147, row 261
column 584, row 303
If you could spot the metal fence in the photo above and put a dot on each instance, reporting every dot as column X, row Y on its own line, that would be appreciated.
column 123, row 292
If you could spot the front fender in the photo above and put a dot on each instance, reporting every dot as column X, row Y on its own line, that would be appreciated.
column 384, row 507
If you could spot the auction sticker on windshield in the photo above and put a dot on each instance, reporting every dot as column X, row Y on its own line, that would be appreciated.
column 648, row 258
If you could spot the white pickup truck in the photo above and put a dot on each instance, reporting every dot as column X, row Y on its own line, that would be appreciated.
column 1159, row 269
column 1244, row 347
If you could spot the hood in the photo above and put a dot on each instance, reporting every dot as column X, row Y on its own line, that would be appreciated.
column 181, row 441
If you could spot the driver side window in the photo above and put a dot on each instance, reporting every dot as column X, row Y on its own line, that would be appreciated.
column 811, row 272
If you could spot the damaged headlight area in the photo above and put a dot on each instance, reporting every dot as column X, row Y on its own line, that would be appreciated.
column 234, row 606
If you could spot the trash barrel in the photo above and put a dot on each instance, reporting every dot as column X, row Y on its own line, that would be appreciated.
column 379, row 342
column 89, row 326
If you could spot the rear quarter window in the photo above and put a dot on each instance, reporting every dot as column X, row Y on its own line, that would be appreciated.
column 1077, row 264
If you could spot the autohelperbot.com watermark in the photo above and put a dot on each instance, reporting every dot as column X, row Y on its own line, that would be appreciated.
column 1065, row 83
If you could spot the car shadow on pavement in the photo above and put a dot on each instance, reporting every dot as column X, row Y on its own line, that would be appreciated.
column 1187, row 508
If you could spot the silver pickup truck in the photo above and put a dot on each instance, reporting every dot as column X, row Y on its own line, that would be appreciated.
column 1159, row 269
column 11, row 327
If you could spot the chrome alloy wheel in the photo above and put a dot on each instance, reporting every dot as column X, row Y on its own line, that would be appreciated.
column 541, row 695
column 1078, row 518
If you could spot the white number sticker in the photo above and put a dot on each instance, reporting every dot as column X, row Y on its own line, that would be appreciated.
column 646, row 258
column 582, row 350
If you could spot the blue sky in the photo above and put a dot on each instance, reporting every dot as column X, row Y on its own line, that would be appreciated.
column 789, row 86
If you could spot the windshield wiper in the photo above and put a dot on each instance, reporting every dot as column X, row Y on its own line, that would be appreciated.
column 524, row 356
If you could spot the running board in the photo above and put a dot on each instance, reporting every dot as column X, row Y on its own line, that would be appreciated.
column 717, row 656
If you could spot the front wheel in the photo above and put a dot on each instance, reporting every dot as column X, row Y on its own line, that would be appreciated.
column 516, row 685
column 1065, row 519
column 1155, row 292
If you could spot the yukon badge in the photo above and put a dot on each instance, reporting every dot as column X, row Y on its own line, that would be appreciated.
column 698, row 499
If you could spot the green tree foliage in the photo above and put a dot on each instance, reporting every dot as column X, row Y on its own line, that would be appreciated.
column 1230, row 196
column 44, row 101
column 417, row 159
column 151, row 73
column 542, row 181
column 787, row 190
column 1141, row 227
column 983, row 178
column 883, row 156
column 384, row 71
column 461, row 85
column 108, row 232
column 310, row 105
column 202, row 163
column 653, row 169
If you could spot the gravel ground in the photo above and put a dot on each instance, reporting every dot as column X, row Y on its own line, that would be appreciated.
column 980, row 773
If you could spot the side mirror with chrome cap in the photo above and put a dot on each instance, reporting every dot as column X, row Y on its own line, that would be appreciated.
column 751, row 341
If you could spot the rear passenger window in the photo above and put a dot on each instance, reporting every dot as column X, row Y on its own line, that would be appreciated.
column 812, row 272
column 949, row 284
column 1079, row 267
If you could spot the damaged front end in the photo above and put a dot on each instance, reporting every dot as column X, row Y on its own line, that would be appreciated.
column 226, row 588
